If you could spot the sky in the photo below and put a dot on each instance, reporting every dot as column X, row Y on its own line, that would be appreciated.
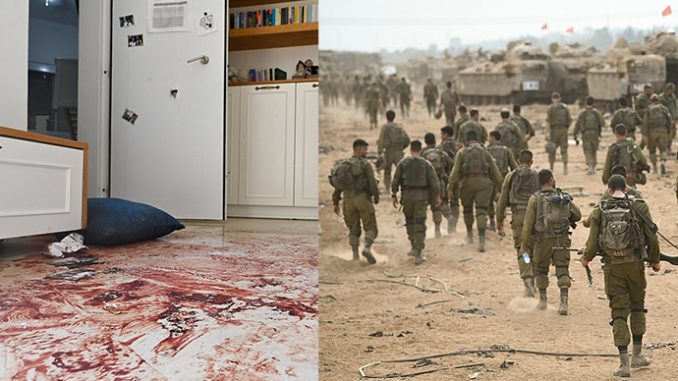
column 373, row 25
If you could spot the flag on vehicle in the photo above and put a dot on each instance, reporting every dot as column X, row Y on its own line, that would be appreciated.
column 570, row 30
column 666, row 11
column 545, row 26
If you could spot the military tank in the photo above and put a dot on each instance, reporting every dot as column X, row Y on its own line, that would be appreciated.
column 522, row 74
column 624, row 72
column 665, row 44
column 569, row 66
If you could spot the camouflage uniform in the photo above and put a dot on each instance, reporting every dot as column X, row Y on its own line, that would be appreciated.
column 525, row 126
column 472, row 125
column 590, row 125
column 612, row 159
column 442, row 210
column 449, row 145
column 476, row 181
column 511, row 136
column 431, row 97
column 642, row 103
column 670, row 103
column 449, row 100
column 518, row 199
column 392, row 151
column 624, row 274
column 405, row 95
column 629, row 118
column 505, row 162
column 457, row 126
column 559, row 120
column 358, row 205
column 417, row 179
column 373, row 104
column 543, row 244
column 657, row 127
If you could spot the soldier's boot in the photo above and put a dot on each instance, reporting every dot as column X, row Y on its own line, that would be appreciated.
column 562, row 308
column 589, row 169
column 438, row 233
column 469, row 235
column 565, row 168
column 662, row 168
column 356, row 254
column 551, row 165
column 411, row 252
column 367, row 253
column 481, row 241
column 542, row 299
column 451, row 224
column 638, row 359
column 493, row 225
column 624, row 370
column 418, row 259
column 529, row 287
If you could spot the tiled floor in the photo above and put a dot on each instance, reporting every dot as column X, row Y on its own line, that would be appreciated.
column 205, row 303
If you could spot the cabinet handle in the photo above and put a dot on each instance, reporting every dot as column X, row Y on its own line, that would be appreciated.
column 267, row 88
column 315, row 85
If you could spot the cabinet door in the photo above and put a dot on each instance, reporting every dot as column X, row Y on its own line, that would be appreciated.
column 232, row 160
column 267, row 145
column 43, row 191
column 306, row 146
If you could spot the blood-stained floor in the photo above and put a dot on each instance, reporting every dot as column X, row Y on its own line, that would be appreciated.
column 200, row 304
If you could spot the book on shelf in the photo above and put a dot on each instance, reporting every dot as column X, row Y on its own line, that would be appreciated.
column 300, row 14
column 264, row 75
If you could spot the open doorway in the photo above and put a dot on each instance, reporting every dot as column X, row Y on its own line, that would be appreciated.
column 53, row 67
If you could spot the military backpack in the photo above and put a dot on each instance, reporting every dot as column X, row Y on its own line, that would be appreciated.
column 398, row 137
column 509, row 137
column 559, row 116
column 590, row 121
column 553, row 213
column 629, row 118
column 474, row 163
column 346, row 175
column 413, row 172
column 658, row 118
column 500, row 155
column 620, row 230
column 524, row 183
column 436, row 157
column 623, row 155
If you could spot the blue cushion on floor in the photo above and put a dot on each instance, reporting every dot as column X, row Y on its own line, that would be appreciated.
column 112, row 221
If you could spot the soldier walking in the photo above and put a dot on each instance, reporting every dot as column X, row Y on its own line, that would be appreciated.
column 628, row 117
column 442, row 163
column 416, row 179
column 448, row 103
column 404, row 95
column 626, row 153
column 590, row 125
column 668, row 99
column 477, row 174
column 511, row 135
column 641, row 105
column 450, row 146
column 354, row 178
column 558, row 121
column 430, row 97
column 519, row 185
column 657, row 127
column 474, row 125
column 463, row 118
column 392, row 141
column 549, row 216
column 620, row 231
column 505, row 161
column 524, row 125
column 373, row 104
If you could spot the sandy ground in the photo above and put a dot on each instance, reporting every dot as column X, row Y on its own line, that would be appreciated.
column 351, row 308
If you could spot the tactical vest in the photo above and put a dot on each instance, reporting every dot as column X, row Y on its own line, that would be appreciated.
column 629, row 118
column 500, row 155
column 553, row 213
column 658, row 118
column 620, row 232
column 474, row 163
column 436, row 157
column 508, row 135
column 397, row 137
column 447, row 98
column 622, row 154
column 590, row 123
column 450, row 147
column 347, row 175
column 559, row 116
column 524, row 183
column 413, row 172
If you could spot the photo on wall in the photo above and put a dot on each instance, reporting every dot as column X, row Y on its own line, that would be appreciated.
column 496, row 181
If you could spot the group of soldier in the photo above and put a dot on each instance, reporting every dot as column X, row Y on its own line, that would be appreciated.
column 475, row 168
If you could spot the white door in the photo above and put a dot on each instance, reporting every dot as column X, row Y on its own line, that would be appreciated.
column 306, row 146
column 267, row 145
column 233, row 139
column 14, row 66
column 172, row 155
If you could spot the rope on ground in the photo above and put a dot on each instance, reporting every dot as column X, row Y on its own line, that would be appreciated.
column 420, row 288
column 419, row 277
column 502, row 349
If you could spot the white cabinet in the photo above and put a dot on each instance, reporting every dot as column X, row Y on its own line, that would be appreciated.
column 273, row 151
column 43, row 184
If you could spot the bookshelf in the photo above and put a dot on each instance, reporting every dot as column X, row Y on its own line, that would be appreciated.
column 300, row 80
column 254, row 3
column 273, row 37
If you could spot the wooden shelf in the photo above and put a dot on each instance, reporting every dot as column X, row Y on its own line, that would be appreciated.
column 253, row 3
column 273, row 37
column 263, row 83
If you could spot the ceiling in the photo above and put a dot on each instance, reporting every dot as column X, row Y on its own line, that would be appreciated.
column 58, row 11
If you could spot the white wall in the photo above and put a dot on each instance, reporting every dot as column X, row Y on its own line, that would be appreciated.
column 49, row 40
column 14, row 72
column 284, row 58
column 93, row 90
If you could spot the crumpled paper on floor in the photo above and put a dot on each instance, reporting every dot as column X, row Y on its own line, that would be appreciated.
column 71, row 244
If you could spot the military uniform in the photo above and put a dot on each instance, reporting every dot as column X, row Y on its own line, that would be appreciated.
column 457, row 126
column 657, row 127
column 590, row 125
column 544, row 239
column 405, row 95
column 449, row 100
column 420, row 186
column 505, row 162
column 642, row 104
column 525, row 126
column 392, row 151
column 628, row 154
column 476, row 173
column 519, row 185
column 357, row 206
column 559, row 120
column 450, row 147
column 431, row 97
column 511, row 136
column 442, row 163
column 669, row 101
column 629, row 118
column 623, row 253
column 373, row 104
column 475, row 126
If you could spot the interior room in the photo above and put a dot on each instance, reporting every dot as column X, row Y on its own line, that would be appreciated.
column 160, row 221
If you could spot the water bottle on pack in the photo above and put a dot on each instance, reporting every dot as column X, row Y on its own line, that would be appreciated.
column 526, row 258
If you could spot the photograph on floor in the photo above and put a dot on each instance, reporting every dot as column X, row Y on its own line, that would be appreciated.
column 158, row 208
column 492, row 177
